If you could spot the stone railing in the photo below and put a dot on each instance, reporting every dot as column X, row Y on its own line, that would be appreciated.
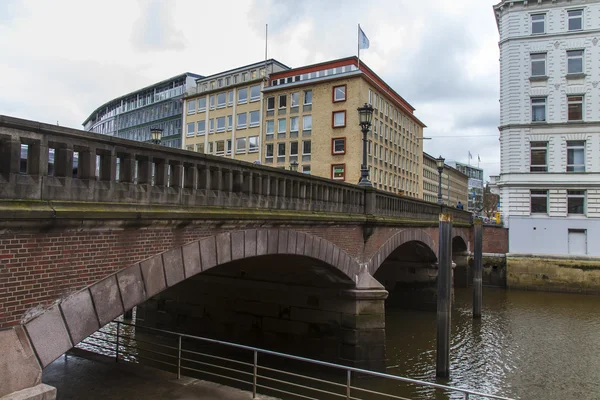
column 114, row 170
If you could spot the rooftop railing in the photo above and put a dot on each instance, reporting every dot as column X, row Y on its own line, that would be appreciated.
column 65, row 164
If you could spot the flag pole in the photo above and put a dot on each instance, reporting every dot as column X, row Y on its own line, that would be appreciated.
column 358, row 42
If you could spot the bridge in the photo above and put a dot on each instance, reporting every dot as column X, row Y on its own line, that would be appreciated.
column 92, row 226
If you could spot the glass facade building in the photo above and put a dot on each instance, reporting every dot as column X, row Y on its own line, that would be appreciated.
column 133, row 115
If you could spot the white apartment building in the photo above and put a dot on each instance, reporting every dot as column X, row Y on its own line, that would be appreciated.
column 549, row 180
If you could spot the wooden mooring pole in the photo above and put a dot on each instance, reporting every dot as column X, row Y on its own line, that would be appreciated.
column 477, row 269
column 444, row 295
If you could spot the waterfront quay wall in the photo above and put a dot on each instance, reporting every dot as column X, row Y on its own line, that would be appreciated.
column 571, row 274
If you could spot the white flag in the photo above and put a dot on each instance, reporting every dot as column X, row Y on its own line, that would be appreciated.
column 363, row 40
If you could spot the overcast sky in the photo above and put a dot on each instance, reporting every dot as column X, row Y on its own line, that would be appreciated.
column 60, row 59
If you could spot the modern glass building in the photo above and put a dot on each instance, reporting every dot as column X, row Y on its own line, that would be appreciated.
column 156, row 106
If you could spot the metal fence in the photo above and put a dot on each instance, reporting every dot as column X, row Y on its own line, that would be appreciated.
column 253, row 368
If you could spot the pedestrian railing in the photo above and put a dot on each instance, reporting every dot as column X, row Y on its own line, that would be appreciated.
column 176, row 352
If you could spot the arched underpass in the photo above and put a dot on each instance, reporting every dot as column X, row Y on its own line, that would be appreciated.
column 287, row 303
column 409, row 274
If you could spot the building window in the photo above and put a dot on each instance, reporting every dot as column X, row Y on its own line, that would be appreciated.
column 307, row 97
column 220, row 147
column 339, row 119
column 280, row 151
column 575, row 62
column 255, row 93
column 211, row 125
column 575, row 20
column 294, row 99
column 539, row 157
column 211, row 102
column 293, row 148
column 230, row 122
column 538, row 64
column 270, row 129
column 282, row 101
column 338, row 172
column 370, row 96
column 281, row 125
column 221, row 100
column 190, row 129
column 269, row 151
column 243, row 96
column 244, row 76
column 538, row 24
column 240, row 145
column 254, row 118
column 241, row 120
column 306, row 147
column 338, row 146
column 201, row 127
column 220, row 82
column 538, row 109
column 270, row 103
column 575, row 106
column 575, row 201
column 230, row 98
column 202, row 104
column 294, row 124
column 228, row 147
column 576, row 156
column 252, row 144
column 191, row 106
column 221, row 124
column 306, row 169
column 339, row 93
column 228, row 81
column 307, row 123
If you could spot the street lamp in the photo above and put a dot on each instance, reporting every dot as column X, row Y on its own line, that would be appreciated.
column 294, row 166
column 440, row 167
column 156, row 134
column 365, row 115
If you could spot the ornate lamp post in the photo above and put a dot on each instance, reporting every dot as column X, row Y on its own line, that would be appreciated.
column 294, row 166
column 440, row 167
column 156, row 134
column 365, row 115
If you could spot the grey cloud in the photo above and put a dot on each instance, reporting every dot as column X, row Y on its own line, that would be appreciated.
column 156, row 28
column 478, row 119
column 9, row 9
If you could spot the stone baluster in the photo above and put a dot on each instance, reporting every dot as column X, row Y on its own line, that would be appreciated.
column 190, row 177
column 160, row 172
column 108, row 166
column 87, row 163
column 10, row 156
column 144, row 170
column 127, row 168
column 63, row 161
column 176, row 175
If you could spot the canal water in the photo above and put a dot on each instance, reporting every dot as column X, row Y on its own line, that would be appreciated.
column 528, row 345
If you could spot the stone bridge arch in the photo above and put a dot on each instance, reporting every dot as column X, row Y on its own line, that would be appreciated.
column 65, row 324
column 397, row 240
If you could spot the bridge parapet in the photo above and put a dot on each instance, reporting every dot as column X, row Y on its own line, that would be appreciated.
column 64, row 164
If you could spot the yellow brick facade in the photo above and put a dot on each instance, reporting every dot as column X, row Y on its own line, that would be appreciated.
column 451, row 178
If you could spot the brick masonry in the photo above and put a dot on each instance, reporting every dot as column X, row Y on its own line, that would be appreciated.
column 39, row 268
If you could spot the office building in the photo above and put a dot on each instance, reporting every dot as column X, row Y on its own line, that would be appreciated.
column 133, row 115
column 224, row 112
column 455, row 184
column 549, row 181
column 475, row 184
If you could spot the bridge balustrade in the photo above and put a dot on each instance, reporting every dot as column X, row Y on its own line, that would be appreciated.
column 51, row 163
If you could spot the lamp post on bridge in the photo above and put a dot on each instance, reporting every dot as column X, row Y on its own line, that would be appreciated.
column 440, row 167
column 156, row 135
column 365, row 115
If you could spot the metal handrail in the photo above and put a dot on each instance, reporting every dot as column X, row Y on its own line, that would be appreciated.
column 256, row 367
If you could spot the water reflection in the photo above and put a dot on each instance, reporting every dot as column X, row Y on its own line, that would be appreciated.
column 528, row 345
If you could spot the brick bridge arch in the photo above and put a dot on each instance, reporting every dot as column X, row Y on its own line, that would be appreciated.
column 460, row 233
column 65, row 324
column 397, row 240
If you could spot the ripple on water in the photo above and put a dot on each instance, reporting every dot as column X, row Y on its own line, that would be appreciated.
column 528, row 345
